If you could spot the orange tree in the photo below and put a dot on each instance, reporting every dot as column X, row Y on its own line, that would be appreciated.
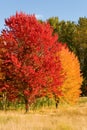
column 73, row 78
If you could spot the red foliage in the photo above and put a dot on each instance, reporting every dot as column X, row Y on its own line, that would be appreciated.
column 31, row 65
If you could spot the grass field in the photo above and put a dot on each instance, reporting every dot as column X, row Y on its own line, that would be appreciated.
column 64, row 118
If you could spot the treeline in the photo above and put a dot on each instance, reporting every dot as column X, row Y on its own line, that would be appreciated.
column 75, row 36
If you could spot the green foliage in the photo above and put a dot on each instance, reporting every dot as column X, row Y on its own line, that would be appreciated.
column 43, row 103
column 80, row 41
column 65, row 31
column 54, row 22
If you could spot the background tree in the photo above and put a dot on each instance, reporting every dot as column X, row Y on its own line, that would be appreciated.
column 80, row 42
column 65, row 30
column 54, row 22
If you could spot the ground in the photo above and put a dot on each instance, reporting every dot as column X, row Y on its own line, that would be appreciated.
column 63, row 118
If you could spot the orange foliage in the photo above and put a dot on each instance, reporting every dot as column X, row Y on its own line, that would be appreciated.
column 73, row 78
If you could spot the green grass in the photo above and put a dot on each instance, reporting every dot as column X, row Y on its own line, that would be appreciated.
column 83, row 100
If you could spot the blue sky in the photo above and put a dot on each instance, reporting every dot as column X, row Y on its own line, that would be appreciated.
column 44, row 9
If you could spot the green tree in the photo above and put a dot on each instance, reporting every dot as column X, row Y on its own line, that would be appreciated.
column 65, row 31
column 80, row 42
column 54, row 22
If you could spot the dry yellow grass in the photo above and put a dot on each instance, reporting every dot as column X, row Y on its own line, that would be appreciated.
column 64, row 118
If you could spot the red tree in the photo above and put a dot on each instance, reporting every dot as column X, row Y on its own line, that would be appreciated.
column 31, row 66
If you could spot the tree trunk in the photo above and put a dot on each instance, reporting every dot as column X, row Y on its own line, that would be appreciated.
column 26, row 105
column 57, row 102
